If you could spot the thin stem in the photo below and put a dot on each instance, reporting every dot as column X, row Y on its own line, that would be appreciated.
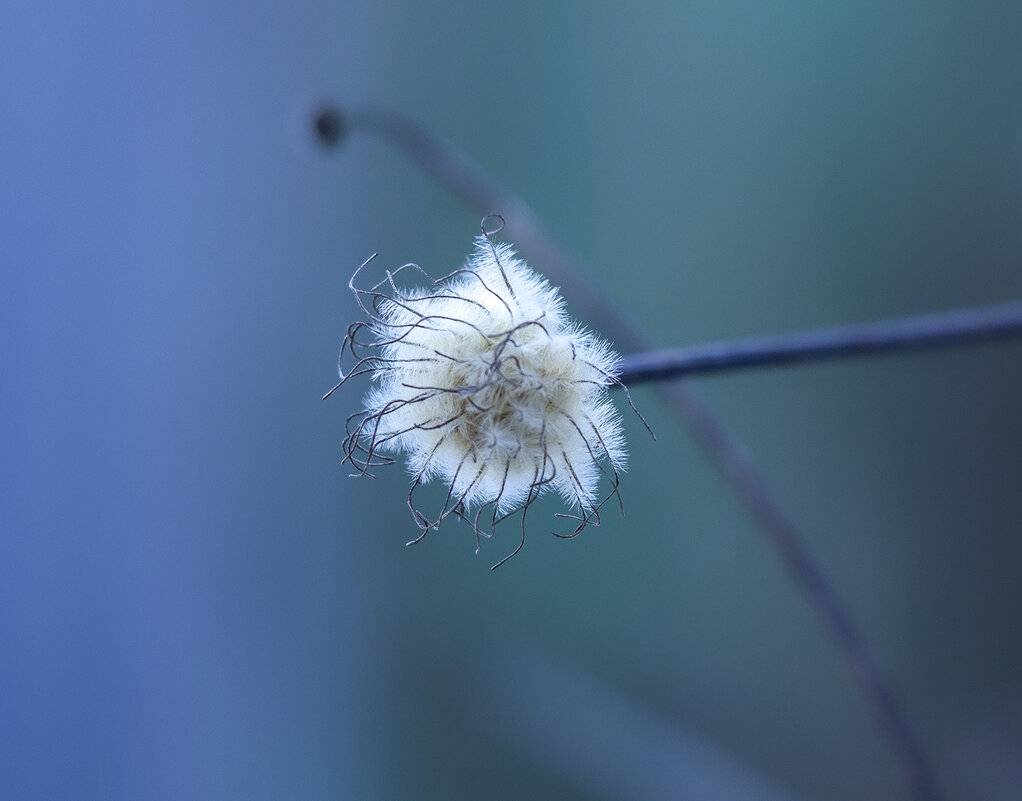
column 468, row 181
column 477, row 189
column 945, row 329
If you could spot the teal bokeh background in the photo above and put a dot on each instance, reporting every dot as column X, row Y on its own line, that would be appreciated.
column 197, row 602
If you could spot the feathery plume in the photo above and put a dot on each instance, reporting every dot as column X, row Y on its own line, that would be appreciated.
column 484, row 382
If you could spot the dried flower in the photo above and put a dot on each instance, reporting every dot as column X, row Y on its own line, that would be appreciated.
column 485, row 383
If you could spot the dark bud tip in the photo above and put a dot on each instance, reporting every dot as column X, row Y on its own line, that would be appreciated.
column 329, row 126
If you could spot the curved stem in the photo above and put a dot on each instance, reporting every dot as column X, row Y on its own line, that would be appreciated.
column 467, row 180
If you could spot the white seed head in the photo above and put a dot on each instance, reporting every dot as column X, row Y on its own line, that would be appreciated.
column 484, row 382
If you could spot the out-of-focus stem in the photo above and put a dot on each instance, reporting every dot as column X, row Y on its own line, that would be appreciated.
column 472, row 184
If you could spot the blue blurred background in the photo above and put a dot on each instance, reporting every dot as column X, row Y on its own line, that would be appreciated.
column 195, row 600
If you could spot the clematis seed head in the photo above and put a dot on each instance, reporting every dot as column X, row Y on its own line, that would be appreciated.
column 482, row 382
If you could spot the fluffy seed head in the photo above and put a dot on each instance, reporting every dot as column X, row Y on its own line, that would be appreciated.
column 483, row 381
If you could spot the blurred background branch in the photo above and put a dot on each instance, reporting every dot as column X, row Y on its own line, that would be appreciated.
column 600, row 740
column 474, row 186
